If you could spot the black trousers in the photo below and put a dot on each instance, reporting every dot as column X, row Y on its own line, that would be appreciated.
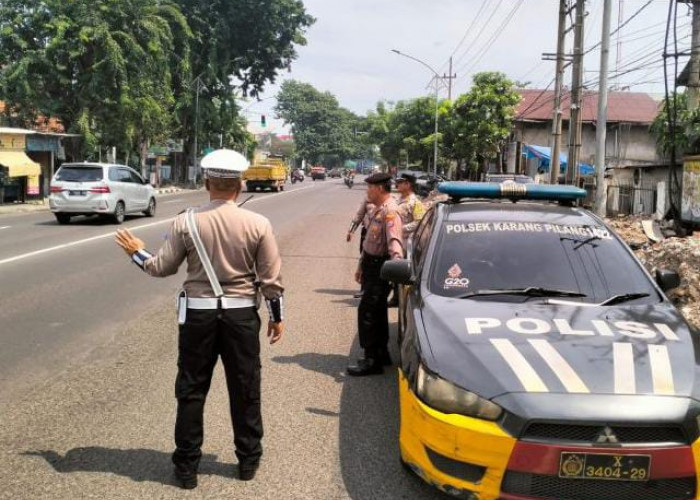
column 233, row 334
column 372, row 314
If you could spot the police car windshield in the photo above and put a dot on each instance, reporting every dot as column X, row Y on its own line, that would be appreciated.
column 585, row 260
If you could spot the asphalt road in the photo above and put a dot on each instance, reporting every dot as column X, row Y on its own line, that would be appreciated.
column 87, row 366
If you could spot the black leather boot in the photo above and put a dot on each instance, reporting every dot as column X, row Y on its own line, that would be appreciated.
column 366, row 366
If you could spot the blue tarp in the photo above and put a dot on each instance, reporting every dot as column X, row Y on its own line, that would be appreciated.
column 544, row 154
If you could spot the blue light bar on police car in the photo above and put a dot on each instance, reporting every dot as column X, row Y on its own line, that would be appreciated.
column 511, row 191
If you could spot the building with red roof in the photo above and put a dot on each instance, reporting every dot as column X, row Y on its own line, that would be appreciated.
column 630, row 114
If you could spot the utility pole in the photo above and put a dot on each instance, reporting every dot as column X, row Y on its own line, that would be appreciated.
column 694, row 66
column 618, row 51
column 602, row 121
column 436, row 79
column 576, row 115
column 198, row 82
column 554, row 161
column 449, row 77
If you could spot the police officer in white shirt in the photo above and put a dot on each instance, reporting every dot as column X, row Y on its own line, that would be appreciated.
column 231, row 255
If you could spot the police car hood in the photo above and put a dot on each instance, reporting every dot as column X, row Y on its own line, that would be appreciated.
column 495, row 348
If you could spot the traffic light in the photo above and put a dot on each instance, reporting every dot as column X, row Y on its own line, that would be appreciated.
column 262, row 120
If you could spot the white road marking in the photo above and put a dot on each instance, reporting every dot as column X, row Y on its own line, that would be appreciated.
column 623, row 362
column 661, row 371
column 561, row 368
column 5, row 227
column 112, row 233
column 520, row 366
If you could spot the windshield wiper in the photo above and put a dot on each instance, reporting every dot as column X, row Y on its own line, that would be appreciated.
column 625, row 297
column 586, row 241
column 531, row 291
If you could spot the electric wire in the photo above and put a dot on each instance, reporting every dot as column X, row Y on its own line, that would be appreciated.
column 471, row 64
column 481, row 31
column 627, row 21
column 466, row 33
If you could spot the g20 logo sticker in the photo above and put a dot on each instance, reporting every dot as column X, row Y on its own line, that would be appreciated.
column 455, row 279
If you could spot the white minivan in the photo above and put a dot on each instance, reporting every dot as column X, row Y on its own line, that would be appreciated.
column 100, row 189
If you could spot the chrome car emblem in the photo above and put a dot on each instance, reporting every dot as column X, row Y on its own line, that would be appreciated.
column 607, row 436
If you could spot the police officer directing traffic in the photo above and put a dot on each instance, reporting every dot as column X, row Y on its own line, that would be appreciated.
column 230, row 254
column 383, row 242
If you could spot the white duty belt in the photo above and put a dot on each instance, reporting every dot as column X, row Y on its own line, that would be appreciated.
column 226, row 303
column 219, row 300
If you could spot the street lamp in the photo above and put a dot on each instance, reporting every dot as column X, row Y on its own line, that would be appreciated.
column 198, row 81
column 437, row 77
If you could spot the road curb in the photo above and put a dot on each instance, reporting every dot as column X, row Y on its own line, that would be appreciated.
column 23, row 208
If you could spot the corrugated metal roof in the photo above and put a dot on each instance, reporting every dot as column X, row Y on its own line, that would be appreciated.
column 623, row 107
column 15, row 131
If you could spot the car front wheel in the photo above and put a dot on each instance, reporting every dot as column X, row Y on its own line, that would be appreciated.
column 119, row 211
column 151, row 210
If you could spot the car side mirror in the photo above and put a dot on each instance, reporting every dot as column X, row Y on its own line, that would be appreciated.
column 667, row 280
column 397, row 271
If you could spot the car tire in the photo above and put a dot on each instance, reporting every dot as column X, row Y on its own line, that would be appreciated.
column 282, row 188
column 119, row 213
column 405, row 466
column 151, row 210
column 62, row 219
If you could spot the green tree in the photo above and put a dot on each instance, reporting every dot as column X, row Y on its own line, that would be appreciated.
column 323, row 131
column 687, row 129
column 102, row 67
column 482, row 119
column 121, row 72
column 239, row 46
column 405, row 131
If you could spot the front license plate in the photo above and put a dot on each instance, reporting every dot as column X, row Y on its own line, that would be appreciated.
column 610, row 467
column 77, row 193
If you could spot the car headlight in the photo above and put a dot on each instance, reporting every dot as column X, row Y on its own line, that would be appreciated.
column 448, row 398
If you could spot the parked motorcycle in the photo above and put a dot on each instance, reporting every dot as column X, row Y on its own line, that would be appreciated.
column 297, row 175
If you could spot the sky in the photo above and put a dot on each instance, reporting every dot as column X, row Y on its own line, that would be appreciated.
column 349, row 47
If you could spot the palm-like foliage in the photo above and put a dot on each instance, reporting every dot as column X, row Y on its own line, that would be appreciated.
column 103, row 67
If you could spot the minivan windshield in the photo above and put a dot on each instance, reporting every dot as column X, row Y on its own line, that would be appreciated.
column 72, row 173
column 581, row 263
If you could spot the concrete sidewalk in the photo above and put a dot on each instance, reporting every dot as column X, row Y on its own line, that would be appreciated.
column 43, row 205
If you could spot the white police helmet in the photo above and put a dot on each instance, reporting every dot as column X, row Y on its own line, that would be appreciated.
column 224, row 163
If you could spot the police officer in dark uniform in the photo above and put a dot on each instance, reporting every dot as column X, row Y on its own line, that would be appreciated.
column 384, row 241
column 227, row 249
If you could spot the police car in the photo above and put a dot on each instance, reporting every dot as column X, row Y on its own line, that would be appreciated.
column 539, row 359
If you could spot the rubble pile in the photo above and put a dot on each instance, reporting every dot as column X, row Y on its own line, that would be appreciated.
column 630, row 230
column 677, row 254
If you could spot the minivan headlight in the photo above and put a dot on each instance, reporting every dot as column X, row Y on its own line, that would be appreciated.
column 448, row 398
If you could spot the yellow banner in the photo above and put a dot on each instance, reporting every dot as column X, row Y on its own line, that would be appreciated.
column 33, row 185
column 13, row 141
column 692, row 166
